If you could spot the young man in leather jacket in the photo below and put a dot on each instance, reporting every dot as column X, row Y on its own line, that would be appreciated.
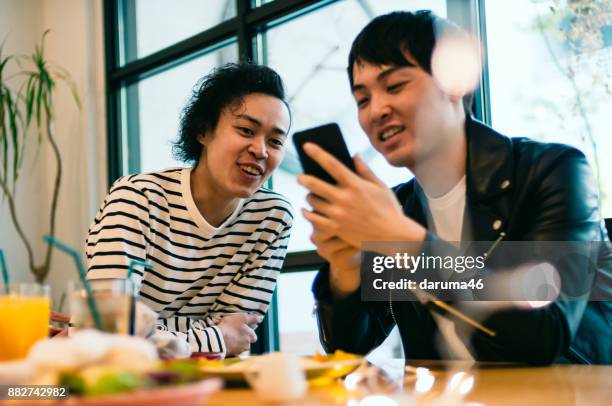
column 470, row 183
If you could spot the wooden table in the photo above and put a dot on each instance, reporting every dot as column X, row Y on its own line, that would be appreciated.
column 558, row 385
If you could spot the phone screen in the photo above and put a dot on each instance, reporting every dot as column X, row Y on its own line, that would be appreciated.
column 329, row 137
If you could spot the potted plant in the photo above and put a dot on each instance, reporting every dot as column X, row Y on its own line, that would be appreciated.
column 30, row 105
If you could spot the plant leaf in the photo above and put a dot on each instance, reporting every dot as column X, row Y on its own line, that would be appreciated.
column 3, row 135
column 37, row 106
column 29, row 100
column 48, row 99
column 12, row 117
column 65, row 77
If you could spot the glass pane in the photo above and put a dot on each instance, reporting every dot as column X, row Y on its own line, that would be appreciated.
column 151, row 25
column 153, row 108
column 550, row 77
column 298, row 332
column 313, row 65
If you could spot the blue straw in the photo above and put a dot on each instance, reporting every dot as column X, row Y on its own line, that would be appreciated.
column 133, row 264
column 5, row 275
column 79, row 264
column 136, row 291
column 131, row 268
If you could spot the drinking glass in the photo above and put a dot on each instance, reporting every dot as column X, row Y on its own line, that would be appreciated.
column 114, row 300
column 24, row 318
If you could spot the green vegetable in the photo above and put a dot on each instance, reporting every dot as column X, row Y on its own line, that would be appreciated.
column 112, row 383
column 189, row 370
column 73, row 381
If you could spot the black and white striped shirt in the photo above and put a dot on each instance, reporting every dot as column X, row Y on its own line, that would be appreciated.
column 200, row 272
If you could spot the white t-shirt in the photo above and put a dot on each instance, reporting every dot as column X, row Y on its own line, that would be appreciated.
column 445, row 215
column 445, row 219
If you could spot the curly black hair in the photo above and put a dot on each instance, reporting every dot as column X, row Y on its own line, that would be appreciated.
column 225, row 86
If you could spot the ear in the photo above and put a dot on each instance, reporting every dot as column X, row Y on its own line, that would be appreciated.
column 202, row 138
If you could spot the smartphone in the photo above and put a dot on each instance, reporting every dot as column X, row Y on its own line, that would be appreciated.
column 329, row 137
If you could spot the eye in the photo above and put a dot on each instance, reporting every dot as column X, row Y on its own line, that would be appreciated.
column 246, row 131
column 395, row 87
column 277, row 143
column 362, row 102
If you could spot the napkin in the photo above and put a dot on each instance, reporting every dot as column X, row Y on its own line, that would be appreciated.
column 169, row 346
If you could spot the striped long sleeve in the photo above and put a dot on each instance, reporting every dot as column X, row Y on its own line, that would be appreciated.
column 120, row 232
column 249, row 291
column 199, row 336
column 200, row 272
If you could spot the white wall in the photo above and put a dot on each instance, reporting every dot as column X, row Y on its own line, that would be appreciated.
column 75, row 43
column 18, row 39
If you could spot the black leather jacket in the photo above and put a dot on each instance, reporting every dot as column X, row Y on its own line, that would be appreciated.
column 533, row 192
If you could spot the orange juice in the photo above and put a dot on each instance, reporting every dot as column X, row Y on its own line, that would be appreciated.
column 23, row 321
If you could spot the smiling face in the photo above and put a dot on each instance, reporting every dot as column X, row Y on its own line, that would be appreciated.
column 402, row 110
column 247, row 144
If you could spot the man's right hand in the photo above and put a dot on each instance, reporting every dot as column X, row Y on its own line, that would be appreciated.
column 343, row 259
column 238, row 331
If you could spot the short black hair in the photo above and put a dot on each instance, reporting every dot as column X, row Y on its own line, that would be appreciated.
column 223, row 87
column 386, row 38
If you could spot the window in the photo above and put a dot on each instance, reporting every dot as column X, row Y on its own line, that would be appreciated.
column 554, row 85
column 297, row 322
column 151, row 25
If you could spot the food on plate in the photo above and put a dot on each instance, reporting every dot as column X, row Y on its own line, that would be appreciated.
column 333, row 365
column 94, row 364
column 338, row 355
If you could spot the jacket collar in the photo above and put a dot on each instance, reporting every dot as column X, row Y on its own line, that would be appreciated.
column 489, row 167
column 490, row 162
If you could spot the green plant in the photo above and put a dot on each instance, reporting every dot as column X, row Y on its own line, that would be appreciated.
column 31, row 104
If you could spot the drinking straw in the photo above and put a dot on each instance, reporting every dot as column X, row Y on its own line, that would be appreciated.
column 5, row 275
column 133, row 264
column 79, row 264
column 131, row 267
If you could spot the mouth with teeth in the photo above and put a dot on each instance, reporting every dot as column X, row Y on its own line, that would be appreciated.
column 390, row 132
column 251, row 170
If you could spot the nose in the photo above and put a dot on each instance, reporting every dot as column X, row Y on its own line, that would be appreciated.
column 257, row 148
column 380, row 109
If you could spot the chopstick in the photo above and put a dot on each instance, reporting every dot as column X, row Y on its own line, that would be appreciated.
column 464, row 317
column 426, row 298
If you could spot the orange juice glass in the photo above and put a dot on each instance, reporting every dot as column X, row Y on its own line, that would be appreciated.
column 24, row 318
